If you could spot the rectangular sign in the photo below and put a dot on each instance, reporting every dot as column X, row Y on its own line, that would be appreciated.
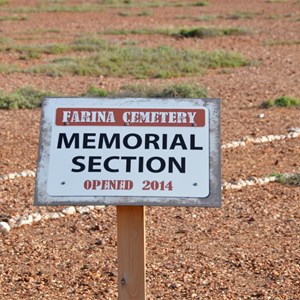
column 129, row 152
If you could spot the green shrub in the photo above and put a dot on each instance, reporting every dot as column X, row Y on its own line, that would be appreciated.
column 13, row 18
column 159, row 62
column 25, row 97
column 35, row 51
column 180, row 90
column 195, row 32
column 95, row 92
column 283, row 101
column 242, row 15
column 287, row 178
column 205, row 32
column 200, row 3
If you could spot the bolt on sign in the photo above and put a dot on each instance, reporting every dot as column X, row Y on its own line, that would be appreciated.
column 129, row 151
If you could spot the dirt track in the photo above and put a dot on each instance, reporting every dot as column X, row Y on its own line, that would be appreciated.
column 248, row 249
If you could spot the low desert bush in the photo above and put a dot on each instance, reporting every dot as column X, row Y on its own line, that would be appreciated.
column 283, row 101
column 287, row 178
column 181, row 90
column 25, row 97
column 159, row 62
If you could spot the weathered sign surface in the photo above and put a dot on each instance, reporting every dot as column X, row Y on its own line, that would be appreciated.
column 129, row 151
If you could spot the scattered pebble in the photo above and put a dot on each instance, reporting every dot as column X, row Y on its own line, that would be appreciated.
column 69, row 210
column 4, row 228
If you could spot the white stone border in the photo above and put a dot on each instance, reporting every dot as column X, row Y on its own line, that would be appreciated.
column 241, row 143
column 29, row 219
column 260, row 140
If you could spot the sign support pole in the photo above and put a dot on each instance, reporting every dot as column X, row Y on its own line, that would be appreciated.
column 131, row 252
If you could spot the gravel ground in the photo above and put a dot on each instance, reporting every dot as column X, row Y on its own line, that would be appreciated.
column 248, row 249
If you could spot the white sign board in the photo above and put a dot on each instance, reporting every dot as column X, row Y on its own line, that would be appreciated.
column 129, row 152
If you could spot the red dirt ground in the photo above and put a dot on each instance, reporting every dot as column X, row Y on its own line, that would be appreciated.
column 248, row 249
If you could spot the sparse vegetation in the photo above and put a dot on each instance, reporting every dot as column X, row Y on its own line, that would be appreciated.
column 4, row 40
column 201, row 3
column 13, row 18
column 138, row 14
column 3, row 2
column 95, row 92
column 195, row 32
column 35, row 51
column 204, row 32
column 287, row 178
column 242, row 15
column 205, row 18
column 276, row 1
column 181, row 90
column 99, row 6
column 282, row 43
column 6, row 69
column 283, row 101
column 159, row 62
column 25, row 97
column 29, row 98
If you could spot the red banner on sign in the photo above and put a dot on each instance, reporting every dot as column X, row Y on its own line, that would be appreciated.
column 130, row 117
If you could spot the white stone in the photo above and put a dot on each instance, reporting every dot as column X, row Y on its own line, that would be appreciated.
column 83, row 209
column 272, row 178
column 297, row 130
column 54, row 215
column 24, row 220
column 249, row 182
column 260, row 181
column 24, row 173
column 69, row 210
column 99, row 207
column 12, row 222
column 295, row 134
column 4, row 228
column 12, row 175
column 260, row 116
column 257, row 141
column 36, row 217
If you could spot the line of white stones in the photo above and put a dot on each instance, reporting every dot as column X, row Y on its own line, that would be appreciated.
column 263, row 139
column 243, row 142
column 29, row 219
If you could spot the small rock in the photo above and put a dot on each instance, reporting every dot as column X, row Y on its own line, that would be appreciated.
column 71, row 210
column 99, row 207
column 26, row 220
column 260, row 116
column 297, row 130
column 4, row 228
column 53, row 215
column 83, row 209
column 12, row 175
column 36, row 217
